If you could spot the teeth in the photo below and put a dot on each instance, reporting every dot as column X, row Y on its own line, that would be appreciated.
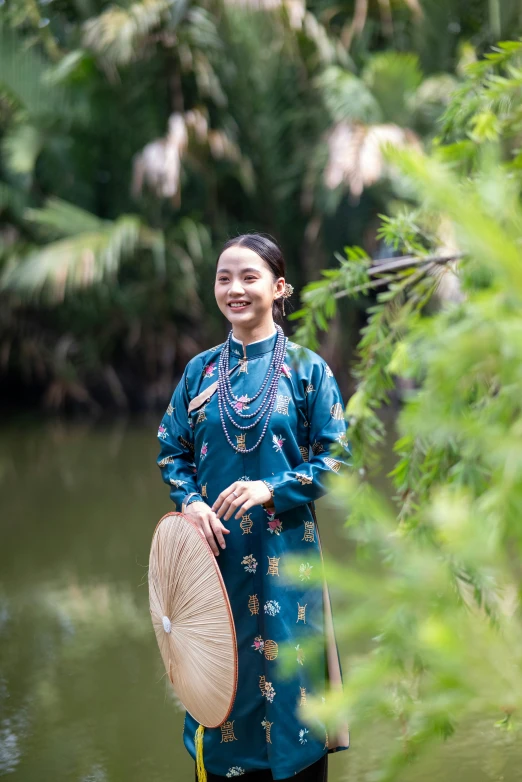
column 237, row 306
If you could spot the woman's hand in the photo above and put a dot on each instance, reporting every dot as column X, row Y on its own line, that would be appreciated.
column 209, row 524
column 240, row 496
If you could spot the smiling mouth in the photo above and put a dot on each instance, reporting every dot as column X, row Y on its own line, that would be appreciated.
column 238, row 305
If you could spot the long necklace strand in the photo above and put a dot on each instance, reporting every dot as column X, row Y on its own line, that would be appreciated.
column 268, row 402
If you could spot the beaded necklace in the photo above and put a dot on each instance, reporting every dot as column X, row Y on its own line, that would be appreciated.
column 227, row 398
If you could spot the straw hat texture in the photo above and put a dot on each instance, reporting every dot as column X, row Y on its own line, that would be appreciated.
column 192, row 619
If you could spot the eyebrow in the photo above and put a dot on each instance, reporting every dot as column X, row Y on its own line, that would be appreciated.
column 248, row 269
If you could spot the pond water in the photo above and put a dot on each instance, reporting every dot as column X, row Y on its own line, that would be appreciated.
column 83, row 695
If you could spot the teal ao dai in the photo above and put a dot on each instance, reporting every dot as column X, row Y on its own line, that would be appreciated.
column 264, row 729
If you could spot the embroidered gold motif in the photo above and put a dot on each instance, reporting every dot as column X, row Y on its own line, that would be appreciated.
column 317, row 447
column 303, row 696
column 170, row 410
column 303, row 478
column 201, row 415
column 309, row 532
column 282, row 404
column 241, row 441
column 301, row 613
column 186, row 444
column 243, row 365
column 253, row 604
column 273, row 566
column 300, row 654
column 246, row 524
column 304, row 452
column 271, row 650
column 262, row 684
column 332, row 464
column 326, row 745
column 337, row 411
column 204, row 490
column 267, row 725
column 166, row 460
column 227, row 732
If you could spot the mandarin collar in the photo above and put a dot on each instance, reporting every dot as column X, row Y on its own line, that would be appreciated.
column 256, row 348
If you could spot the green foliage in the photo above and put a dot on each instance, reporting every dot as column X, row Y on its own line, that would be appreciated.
column 432, row 604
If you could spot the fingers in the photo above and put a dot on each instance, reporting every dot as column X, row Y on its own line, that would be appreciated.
column 243, row 509
column 207, row 531
column 218, row 528
column 234, row 504
column 224, row 494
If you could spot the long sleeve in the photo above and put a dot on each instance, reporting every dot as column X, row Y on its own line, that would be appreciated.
column 325, row 413
column 176, row 458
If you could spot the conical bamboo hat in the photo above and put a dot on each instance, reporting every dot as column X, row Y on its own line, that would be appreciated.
column 192, row 619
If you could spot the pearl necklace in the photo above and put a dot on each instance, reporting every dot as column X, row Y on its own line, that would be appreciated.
column 226, row 396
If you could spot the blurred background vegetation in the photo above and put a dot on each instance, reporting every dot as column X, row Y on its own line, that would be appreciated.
column 136, row 137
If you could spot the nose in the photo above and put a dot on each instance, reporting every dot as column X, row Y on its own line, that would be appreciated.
column 236, row 287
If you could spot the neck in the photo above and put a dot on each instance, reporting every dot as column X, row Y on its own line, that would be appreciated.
column 247, row 335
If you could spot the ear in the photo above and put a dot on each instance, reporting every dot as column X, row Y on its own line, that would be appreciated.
column 279, row 286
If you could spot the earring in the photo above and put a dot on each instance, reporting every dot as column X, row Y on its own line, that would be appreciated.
column 287, row 292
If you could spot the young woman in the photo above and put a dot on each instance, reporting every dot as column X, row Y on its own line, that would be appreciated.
column 247, row 465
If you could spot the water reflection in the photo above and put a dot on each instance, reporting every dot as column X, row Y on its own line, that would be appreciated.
column 83, row 692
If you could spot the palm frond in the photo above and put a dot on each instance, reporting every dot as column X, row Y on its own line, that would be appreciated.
column 347, row 97
column 118, row 32
column 77, row 261
column 392, row 77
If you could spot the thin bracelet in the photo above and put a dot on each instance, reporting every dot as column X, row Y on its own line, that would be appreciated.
column 187, row 498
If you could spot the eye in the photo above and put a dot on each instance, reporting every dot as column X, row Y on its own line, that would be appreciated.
column 251, row 277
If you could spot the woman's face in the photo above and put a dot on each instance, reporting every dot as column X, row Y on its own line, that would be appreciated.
column 243, row 279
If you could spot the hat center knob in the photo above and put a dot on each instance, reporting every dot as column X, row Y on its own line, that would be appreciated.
column 166, row 624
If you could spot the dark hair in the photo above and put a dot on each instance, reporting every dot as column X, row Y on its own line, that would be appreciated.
column 267, row 248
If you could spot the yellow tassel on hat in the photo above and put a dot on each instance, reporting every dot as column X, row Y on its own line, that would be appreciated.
column 198, row 743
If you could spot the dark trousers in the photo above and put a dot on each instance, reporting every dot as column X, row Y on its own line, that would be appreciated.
column 317, row 772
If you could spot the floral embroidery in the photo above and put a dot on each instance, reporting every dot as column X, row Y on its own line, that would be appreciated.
column 166, row 460
column 272, row 607
column 305, row 571
column 240, row 404
column 235, row 771
column 170, row 409
column 275, row 525
column 285, row 370
column 209, row 371
column 259, row 644
column 343, row 440
column 328, row 371
column 162, row 432
column 300, row 654
column 303, row 478
column 250, row 563
column 177, row 484
column 244, row 478
column 302, row 735
column 317, row 447
column 309, row 388
column 204, row 450
column 278, row 441
column 268, row 692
